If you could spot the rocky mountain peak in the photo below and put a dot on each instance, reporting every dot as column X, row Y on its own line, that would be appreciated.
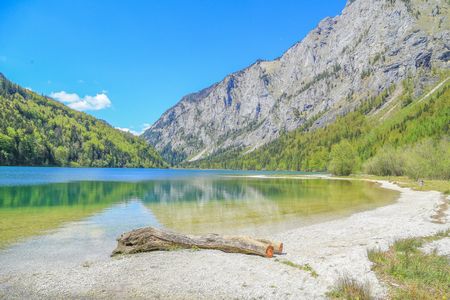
column 345, row 59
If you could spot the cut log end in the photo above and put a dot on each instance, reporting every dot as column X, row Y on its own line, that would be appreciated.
column 277, row 246
column 269, row 252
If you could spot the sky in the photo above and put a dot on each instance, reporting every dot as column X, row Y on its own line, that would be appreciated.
column 127, row 62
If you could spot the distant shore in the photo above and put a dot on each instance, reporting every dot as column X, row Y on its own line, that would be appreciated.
column 442, row 186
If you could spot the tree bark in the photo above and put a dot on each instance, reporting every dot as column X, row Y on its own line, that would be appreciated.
column 152, row 239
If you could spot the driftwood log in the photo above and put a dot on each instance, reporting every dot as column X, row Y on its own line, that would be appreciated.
column 152, row 239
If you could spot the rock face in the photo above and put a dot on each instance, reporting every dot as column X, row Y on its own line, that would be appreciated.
column 370, row 46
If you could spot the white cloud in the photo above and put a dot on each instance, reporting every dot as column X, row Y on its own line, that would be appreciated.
column 144, row 127
column 73, row 100
column 128, row 130
column 65, row 97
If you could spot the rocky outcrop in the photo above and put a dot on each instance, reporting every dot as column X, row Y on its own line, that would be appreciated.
column 370, row 46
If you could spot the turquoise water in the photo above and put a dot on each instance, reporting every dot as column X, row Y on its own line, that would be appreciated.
column 37, row 204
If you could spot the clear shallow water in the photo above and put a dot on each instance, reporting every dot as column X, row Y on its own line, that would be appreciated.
column 69, row 213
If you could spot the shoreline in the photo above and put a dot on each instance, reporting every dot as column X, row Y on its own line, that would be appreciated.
column 331, row 249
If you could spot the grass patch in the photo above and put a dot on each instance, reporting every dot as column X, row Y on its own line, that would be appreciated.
column 437, row 236
column 442, row 186
column 349, row 288
column 410, row 273
column 305, row 267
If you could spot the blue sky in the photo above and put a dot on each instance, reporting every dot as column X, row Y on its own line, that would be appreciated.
column 128, row 61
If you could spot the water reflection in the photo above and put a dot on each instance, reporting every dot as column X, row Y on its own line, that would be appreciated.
column 257, row 206
column 194, row 205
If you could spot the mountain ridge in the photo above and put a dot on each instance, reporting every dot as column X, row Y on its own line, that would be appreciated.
column 329, row 73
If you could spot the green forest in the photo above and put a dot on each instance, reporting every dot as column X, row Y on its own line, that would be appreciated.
column 407, row 136
column 38, row 131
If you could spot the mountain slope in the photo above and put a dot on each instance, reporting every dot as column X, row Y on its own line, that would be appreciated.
column 345, row 60
column 393, row 120
column 36, row 130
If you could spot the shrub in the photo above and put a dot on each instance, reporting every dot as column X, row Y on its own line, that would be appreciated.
column 428, row 159
column 343, row 159
column 387, row 162
column 425, row 159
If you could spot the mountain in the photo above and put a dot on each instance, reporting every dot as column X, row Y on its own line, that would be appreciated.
column 406, row 135
column 371, row 47
column 37, row 130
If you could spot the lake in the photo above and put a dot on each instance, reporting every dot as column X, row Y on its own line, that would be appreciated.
column 80, row 212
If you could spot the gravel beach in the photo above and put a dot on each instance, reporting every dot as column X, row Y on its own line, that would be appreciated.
column 331, row 249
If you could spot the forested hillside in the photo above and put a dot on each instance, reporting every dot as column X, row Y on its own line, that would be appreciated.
column 38, row 131
column 379, row 137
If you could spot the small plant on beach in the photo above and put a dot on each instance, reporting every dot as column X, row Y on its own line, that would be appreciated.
column 195, row 248
column 349, row 288
column 87, row 264
column 411, row 273
column 305, row 267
